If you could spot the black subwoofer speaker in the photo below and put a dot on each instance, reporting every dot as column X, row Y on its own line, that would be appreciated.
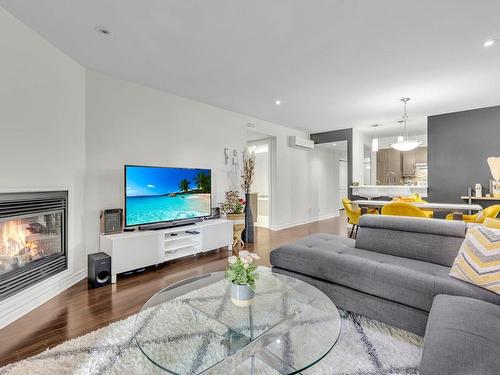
column 99, row 269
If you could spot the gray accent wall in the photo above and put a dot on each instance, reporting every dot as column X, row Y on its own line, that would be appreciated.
column 459, row 144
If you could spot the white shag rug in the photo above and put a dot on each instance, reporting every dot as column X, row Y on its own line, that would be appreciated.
column 365, row 347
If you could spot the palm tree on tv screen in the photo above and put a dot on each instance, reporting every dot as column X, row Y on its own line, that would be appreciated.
column 184, row 185
column 203, row 182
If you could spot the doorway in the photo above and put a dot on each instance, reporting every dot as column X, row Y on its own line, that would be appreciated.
column 261, row 191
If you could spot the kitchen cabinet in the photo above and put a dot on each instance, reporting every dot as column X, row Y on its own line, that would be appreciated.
column 393, row 165
column 412, row 158
column 421, row 155
column 409, row 160
column 388, row 167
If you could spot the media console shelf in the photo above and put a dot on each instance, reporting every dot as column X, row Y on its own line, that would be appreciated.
column 133, row 250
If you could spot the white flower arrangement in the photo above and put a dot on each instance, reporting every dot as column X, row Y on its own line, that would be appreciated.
column 242, row 269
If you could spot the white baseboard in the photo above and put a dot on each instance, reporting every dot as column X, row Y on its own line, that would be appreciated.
column 26, row 300
column 302, row 222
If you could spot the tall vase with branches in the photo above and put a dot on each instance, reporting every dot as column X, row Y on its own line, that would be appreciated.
column 247, row 175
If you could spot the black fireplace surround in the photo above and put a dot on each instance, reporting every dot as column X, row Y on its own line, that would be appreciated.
column 33, row 238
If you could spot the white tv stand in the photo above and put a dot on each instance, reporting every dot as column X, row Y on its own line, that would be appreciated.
column 133, row 250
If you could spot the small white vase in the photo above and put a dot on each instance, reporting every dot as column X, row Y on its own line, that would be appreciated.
column 242, row 295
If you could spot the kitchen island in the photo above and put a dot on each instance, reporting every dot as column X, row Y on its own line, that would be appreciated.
column 373, row 191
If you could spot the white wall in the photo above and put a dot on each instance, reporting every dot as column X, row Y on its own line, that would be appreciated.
column 42, row 141
column 133, row 124
column 359, row 140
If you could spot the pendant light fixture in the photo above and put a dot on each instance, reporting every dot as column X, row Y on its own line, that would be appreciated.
column 404, row 143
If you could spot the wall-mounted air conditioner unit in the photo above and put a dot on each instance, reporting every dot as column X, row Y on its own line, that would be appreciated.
column 302, row 143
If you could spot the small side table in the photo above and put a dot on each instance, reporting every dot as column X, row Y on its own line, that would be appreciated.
column 237, row 232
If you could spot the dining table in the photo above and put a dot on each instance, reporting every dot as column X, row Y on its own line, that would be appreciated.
column 437, row 207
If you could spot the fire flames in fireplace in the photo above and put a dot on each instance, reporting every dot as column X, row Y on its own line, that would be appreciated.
column 16, row 243
column 32, row 238
column 23, row 241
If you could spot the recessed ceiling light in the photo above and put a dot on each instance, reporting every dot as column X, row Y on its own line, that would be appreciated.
column 490, row 42
column 102, row 30
column 334, row 144
column 277, row 102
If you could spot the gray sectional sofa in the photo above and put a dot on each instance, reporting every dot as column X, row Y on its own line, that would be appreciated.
column 393, row 272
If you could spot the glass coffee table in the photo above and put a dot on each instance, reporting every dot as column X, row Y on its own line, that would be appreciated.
column 192, row 327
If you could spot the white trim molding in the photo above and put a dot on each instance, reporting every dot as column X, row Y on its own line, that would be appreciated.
column 28, row 299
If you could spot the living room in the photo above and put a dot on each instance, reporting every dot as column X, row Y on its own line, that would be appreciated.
column 93, row 91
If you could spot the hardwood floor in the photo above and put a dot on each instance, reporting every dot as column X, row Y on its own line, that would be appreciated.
column 80, row 310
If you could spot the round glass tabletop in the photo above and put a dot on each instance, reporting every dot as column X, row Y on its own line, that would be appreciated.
column 192, row 327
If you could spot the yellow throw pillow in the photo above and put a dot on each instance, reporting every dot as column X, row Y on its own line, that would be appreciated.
column 478, row 261
column 492, row 223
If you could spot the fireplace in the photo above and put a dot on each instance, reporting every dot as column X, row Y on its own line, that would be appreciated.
column 33, row 238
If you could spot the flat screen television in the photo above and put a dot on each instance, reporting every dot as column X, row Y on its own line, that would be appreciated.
column 160, row 194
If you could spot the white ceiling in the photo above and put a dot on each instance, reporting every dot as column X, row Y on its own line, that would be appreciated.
column 333, row 63
column 416, row 126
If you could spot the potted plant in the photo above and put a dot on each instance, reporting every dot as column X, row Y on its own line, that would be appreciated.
column 247, row 176
column 242, row 273
column 233, row 207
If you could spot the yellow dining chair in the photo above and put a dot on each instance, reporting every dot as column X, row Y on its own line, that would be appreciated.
column 417, row 199
column 489, row 212
column 403, row 209
column 354, row 213
column 428, row 214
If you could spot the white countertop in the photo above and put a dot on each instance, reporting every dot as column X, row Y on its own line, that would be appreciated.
column 446, row 207
column 370, row 191
column 391, row 186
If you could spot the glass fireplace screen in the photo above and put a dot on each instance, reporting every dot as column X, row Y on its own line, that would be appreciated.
column 27, row 240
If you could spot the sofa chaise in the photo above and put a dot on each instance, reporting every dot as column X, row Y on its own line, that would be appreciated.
column 462, row 338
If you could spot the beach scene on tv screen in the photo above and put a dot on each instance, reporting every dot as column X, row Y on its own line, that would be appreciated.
column 164, row 194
